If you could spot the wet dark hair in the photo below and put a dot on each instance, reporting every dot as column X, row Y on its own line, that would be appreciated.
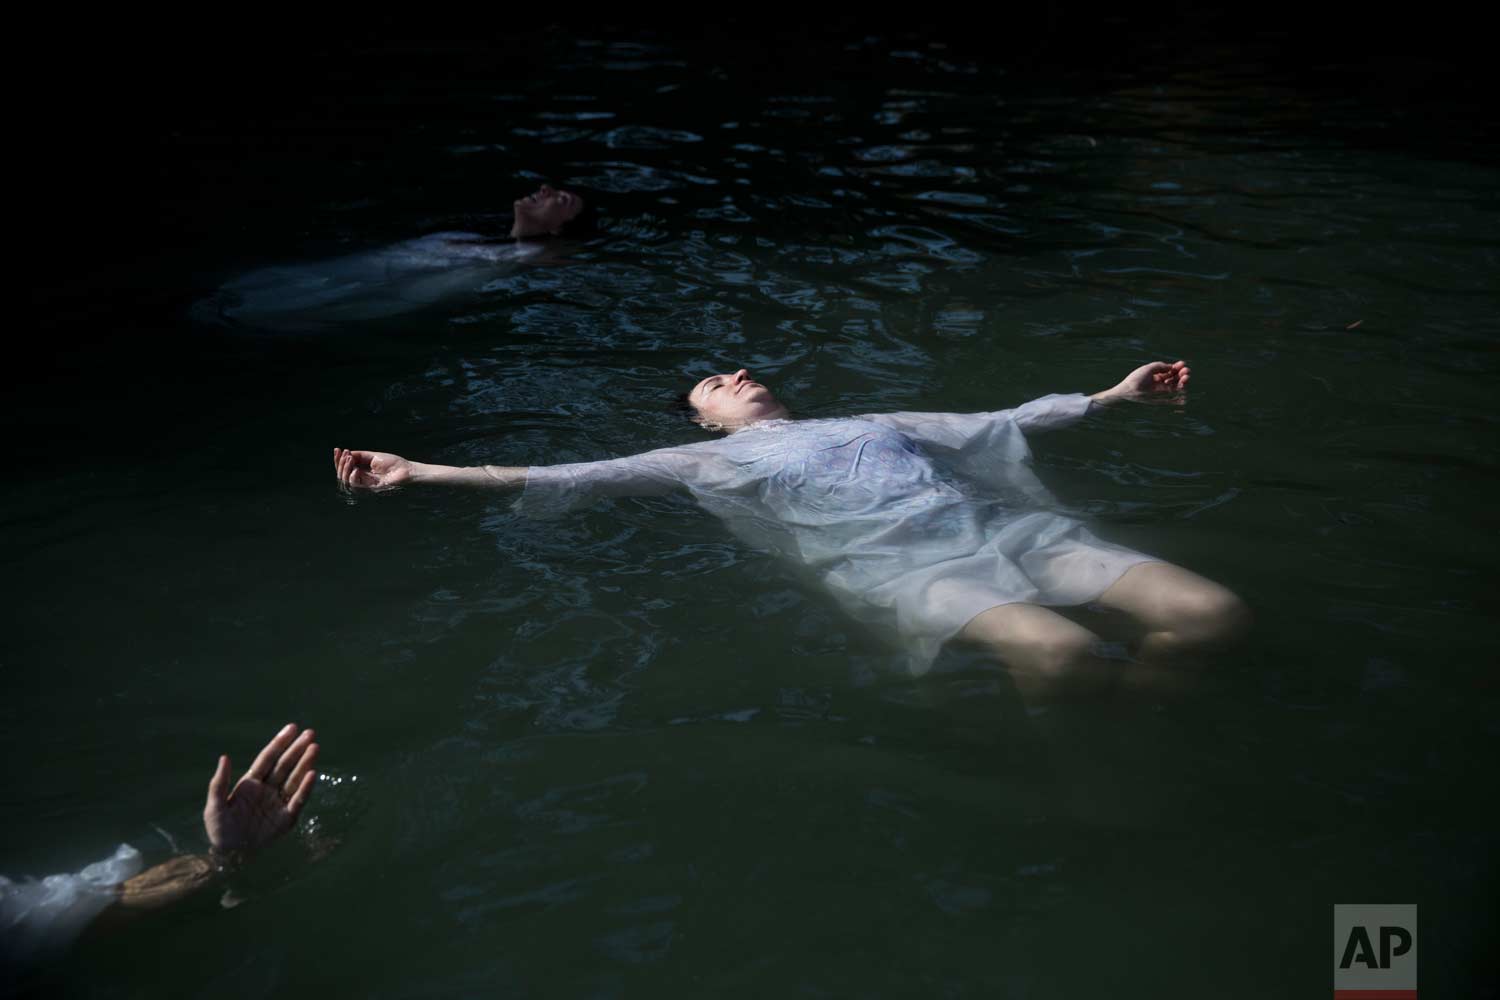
column 584, row 224
column 682, row 403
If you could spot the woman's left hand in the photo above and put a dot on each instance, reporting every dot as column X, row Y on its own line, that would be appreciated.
column 1154, row 381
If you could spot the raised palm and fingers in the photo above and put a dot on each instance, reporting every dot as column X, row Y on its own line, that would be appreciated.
column 265, row 802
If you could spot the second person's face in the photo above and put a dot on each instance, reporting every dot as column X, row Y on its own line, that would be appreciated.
column 546, row 210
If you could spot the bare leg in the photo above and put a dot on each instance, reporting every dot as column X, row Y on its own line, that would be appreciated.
column 1053, row 658
column 1183, row 612
column 1048, row 655
column 1104, row 760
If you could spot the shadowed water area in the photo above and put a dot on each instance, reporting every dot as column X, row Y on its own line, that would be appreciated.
column 623, row 753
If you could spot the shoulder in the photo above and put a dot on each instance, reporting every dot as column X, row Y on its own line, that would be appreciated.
column 463, row 244
column 449, row 237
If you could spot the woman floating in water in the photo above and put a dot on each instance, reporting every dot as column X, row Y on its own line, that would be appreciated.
column 401, row 278
column 926, row 526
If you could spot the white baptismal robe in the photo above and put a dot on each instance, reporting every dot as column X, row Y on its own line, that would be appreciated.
column 373, row 284
column 915, row 522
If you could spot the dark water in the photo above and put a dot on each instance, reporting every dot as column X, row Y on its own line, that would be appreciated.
column 622, row 754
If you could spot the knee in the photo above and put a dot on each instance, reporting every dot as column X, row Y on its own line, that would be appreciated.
column 1042, row 650
column 1211, row 617
column 1062, row 658
column 1050, row 658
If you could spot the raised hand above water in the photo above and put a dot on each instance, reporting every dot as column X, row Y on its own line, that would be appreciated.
column 265, row 802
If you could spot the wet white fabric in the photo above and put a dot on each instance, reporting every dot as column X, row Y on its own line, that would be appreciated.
column 370, row 285
column 916, row 522
column 41, row 917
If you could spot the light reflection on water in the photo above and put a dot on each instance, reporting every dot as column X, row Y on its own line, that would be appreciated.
column 623, row 747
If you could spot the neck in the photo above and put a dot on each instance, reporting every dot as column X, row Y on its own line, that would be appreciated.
column 520, row 232
column 780, row 414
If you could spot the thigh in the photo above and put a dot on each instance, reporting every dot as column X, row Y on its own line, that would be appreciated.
column 1163, row 596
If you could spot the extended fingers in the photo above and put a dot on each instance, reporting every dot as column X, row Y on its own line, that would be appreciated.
column 302, row 770
column 266, row 759
column 290, row 758
column 301, row 795
column 218, row 785
column 303, row 767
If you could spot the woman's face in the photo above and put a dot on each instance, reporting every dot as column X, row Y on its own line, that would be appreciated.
column 729, row 402
column 545, row 211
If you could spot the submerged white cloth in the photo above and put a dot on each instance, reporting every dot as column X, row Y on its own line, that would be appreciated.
column 369, row 285
column 916, row 522
column 40, row 918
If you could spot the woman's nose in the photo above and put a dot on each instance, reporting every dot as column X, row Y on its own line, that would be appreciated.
column 546, row 189
column 741, row 375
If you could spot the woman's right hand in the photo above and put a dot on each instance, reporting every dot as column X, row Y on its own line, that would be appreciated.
column 265, row 802
column 370, row 470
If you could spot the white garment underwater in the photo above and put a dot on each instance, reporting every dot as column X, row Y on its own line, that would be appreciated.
column 915, row 522
column 40, row 918
column 376, row 283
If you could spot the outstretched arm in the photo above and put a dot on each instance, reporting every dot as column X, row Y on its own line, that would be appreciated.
column 545, row 490
column 379, row 470
column 1155, row 381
